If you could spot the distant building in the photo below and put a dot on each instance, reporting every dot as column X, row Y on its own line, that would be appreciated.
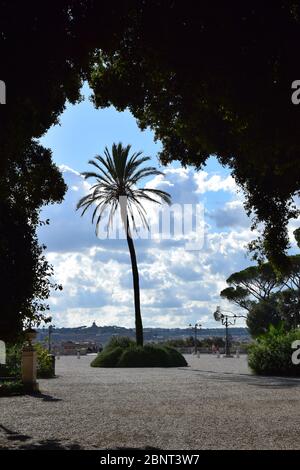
column 71, row 348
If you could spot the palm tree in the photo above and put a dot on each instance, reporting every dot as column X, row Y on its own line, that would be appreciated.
column 117, row 176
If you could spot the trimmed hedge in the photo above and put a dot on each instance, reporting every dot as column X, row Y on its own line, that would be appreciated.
column 123, row 352
column 108, row 358
column 272, row 353
column 119, row 341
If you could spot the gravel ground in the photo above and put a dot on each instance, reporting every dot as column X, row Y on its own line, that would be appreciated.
column 213, row 404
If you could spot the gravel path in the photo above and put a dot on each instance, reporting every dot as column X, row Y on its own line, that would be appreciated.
column 213, row 404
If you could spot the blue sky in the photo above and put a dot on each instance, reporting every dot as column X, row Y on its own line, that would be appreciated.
column 84, row 131
column 177, row 286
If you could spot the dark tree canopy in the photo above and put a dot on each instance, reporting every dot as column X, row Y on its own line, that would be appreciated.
column 42, row 64
column 25, row 273
column 38, row 69
column 253, row 283
column 17, row 263
column 297, row 236
column 261, row 316
column 34, row 181
column 46, row 49
column 211, row 78
column 238, row 295
column 214, row 78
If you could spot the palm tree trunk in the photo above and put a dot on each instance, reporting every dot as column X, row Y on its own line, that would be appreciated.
column 136, row 288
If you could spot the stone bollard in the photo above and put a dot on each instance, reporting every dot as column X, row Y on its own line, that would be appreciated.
column 29, row 368
column 237, row 353
column 218, row 354
column 78, row 354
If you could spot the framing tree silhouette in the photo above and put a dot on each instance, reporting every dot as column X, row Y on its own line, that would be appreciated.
column 117, row 176
column 214, row 79
column 26, row 275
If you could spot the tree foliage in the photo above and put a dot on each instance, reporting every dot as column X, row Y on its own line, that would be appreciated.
column 255, row 282
column 40, row 64
column 269, row 298
column 297, row 236
column 262, row 315
column 25, row 273
column 215, row 79
column 208, row 78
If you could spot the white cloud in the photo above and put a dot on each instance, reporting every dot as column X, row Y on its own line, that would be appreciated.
column 206, row 183
column 232, row 214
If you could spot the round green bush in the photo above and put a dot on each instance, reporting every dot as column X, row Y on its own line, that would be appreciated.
column 123, row 352
column 146, row 356
column 119, row 341
column 108, row 357
column 272, row 353
column 175, row 357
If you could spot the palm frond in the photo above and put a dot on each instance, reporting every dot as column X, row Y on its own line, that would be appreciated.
column 117, row 175
column 166, row 197
column 144, row 173
column 105, row 174
column 134, row 163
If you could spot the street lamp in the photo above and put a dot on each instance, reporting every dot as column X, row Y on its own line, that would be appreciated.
column 227, row 320
column 50, row 331
column 195, row 327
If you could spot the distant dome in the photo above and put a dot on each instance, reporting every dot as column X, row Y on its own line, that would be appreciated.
column 94, row 325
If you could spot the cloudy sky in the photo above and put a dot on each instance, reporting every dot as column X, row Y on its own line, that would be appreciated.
column 178, row 285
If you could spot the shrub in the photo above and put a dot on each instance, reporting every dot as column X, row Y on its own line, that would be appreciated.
column 119, row 341
column 123, row 352
column 12, row 368
column 8, row 389
column 13, row 362
column 272, row 353
column 175, row 357
column 108, row 357
column 44, row 362
column 151, row 356
column 138, row 356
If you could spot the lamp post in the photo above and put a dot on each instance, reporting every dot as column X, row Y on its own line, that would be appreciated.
column 52, row 356
column 227, row 320
column 195, row 327
column 50, row 331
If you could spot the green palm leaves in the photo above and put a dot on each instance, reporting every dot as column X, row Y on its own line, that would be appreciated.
column 117, row 176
